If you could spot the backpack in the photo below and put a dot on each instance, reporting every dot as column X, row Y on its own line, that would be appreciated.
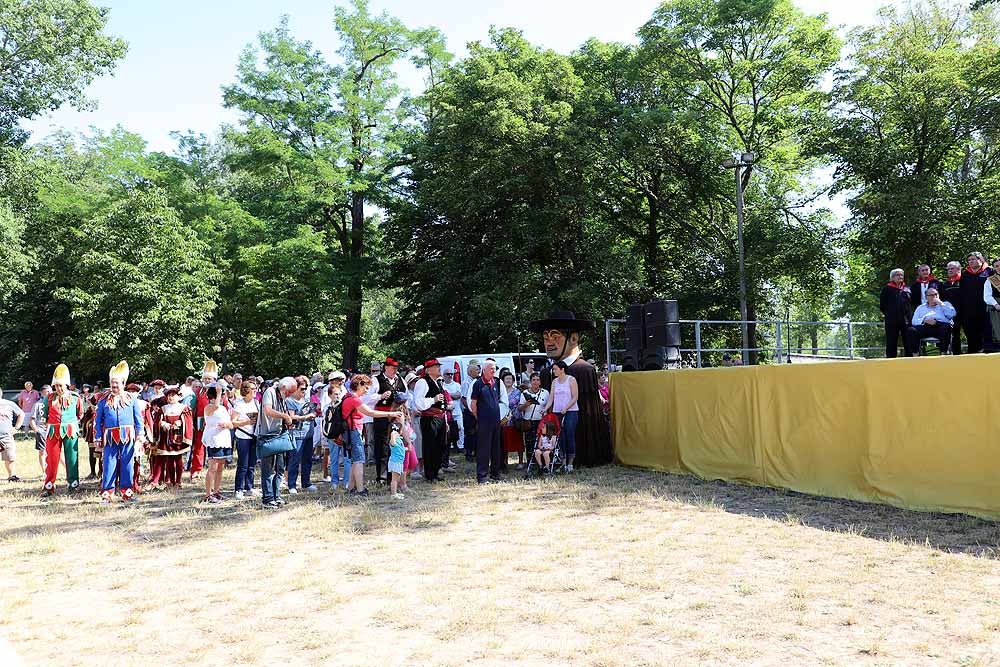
column 334, row 420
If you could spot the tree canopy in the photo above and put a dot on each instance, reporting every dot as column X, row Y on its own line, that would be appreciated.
column 344, row 218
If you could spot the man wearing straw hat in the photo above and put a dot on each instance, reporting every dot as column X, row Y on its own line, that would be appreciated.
column 118, row 425
column 62, row 417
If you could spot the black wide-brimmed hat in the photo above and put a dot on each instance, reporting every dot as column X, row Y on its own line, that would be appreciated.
column 563, row 320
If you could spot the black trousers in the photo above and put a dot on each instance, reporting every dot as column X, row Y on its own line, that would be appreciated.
column 940, row 331
column 893, row 332
column 488, row 459
column 380, row 447
column 434, row 439
column 471, row 434
column 529, row 439
column 973, row 324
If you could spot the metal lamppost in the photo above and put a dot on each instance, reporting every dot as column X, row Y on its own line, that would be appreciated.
column 739, row 162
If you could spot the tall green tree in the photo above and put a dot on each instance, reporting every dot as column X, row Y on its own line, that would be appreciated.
column 915, row 134
column 327, row 136
column 141, row 288
column 752, row 71
column 50, row 51
column 495, row 228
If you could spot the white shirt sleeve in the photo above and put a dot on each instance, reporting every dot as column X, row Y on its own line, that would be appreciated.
column 421, row 401
column 919, row 314
column 988, row 294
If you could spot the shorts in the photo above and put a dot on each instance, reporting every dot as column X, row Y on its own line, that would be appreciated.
column 225, row 453
column 356, row 447
column 396, row 467
column 39, row 442
column 9, row 452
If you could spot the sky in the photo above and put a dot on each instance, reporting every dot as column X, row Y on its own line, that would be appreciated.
column 181, row 52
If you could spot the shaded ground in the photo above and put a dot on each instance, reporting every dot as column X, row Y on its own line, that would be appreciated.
column 614, row 566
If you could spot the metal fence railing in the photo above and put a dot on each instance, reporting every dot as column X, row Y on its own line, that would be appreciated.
column 704, row 342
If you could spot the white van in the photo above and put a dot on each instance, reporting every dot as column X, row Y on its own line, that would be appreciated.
column 460, row 362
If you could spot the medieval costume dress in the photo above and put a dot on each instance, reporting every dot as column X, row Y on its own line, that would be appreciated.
column 173, row 430
column 87, row 432
column 593, row 441
column 118, row 425
column 62, row 413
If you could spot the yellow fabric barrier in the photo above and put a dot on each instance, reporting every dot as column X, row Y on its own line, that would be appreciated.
column 916, row 433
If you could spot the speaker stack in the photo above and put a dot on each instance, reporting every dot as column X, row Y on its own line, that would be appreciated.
column 652, row 336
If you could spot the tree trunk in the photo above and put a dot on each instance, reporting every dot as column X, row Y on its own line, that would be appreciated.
column 355, row 294
column 753, row 355
column 653, row 248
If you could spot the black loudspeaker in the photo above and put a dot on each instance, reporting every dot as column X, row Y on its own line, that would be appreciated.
column 662, row 347
column 661, row 312
column 634, row 339
column 652, row 336
column 658, row 358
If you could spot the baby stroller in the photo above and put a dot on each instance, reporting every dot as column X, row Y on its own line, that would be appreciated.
column 556, row 460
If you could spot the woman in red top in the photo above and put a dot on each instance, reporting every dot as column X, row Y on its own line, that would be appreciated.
column 354, row 410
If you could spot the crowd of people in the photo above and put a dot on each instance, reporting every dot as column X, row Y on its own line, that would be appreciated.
column 400, row 423
column 966, row 302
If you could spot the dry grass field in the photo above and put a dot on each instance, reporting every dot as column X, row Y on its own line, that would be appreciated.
column 607, row 567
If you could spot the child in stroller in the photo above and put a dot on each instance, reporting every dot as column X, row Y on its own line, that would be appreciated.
column 546, row 455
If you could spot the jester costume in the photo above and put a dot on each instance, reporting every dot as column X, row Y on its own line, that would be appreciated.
column 63, row 410
column 173, row 428
column 118, row 424
column 198, row 403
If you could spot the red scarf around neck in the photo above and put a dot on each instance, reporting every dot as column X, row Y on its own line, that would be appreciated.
column 900, row 286
column 974, row 273
column 927, row 279
column 955, row 279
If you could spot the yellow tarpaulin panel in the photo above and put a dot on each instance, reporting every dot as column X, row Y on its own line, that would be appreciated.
column 916, row 433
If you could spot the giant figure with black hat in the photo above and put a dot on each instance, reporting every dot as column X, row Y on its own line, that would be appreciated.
column 561, row 332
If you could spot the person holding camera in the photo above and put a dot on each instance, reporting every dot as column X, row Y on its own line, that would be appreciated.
column 533, row 400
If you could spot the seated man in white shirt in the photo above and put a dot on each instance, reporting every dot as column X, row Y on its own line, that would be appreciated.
column 932, row 319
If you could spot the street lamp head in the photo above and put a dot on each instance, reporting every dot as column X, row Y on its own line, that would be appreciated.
column 729, row 163
column 748, row 158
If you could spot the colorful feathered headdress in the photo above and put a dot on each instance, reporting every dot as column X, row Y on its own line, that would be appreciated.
column 211, row 369
column 119, row 372
column 61, row 376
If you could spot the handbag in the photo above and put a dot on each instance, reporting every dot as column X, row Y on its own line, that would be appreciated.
column 278, row 443
column 274, row 443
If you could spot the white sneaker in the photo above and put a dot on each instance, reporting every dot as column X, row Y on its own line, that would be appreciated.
column 416, row 475
column 327, row 479
column 293, row 491
column 311, row 488
column 239, row 495
column 569, row 468
column 399, row 496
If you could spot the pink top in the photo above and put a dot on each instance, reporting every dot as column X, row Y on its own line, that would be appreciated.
column 27, row 399
column 562, row 395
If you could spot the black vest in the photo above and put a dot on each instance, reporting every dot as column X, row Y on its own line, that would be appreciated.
column 394, row 385
column 433, row 389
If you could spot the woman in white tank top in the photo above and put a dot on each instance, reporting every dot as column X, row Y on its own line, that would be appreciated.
column 218, row 443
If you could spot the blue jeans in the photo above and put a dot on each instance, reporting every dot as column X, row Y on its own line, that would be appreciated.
column 246, row 460
column 337, row 454
column 567, row 438
column 300, row 458
column 271, row 468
